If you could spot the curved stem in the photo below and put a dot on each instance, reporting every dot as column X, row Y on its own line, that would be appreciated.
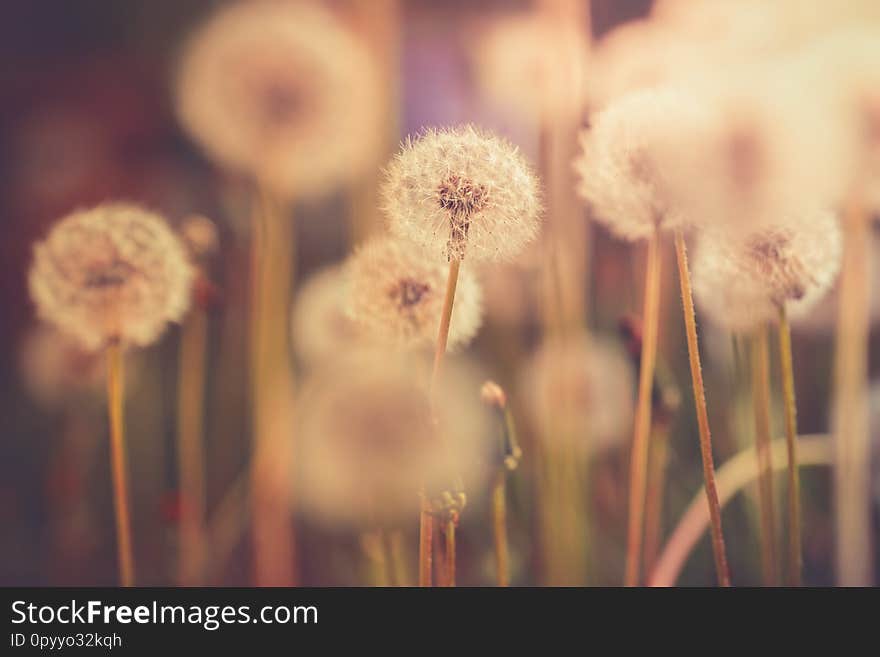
column 116, row 401
column 690, row 322
column 733, row 476
column 795, row 550
column 641, row 444
column 766, row 507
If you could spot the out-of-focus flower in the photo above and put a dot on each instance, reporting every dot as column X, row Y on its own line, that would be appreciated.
column 462, row 191
column 843, row 73
column 742, row 279
column 321, row 328
column 531, row 65
column 55, row 368
column 115, row 272
column 623, row 177
column 580, row 389
column 282, row 91
column 396, row 293
column 368, row 440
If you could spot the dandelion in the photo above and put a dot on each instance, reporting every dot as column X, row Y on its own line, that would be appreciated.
column 624, row 179
column 396, row 295
column 369, row 439
column 454, row 192
column 320, row 325
column 585, row 384
column 110, row 277
column 112, row 274
column 462, row 192
column 741, row 280
column 530, row 64
column 747, row 281
column 282, row 92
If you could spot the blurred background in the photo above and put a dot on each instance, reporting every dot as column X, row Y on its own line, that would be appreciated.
column 86, row 115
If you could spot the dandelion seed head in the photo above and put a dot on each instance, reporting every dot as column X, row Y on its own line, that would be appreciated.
column 114, row 272
column 282, row 92
column 368, row 440
column 580, row 389
column 396, row 293
column 462, row 191
column 740, row 280
column 531, row 65
column 320, row 325
column 622, row 167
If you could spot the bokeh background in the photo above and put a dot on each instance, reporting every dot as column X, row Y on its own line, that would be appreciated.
column 86, row 114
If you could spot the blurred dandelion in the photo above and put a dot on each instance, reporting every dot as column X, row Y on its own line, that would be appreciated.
column 624, row 178
column 741, row 280
column 369, row 439
column 521, row 66
column 283, row 92
column 112, row 274
column 396, row 295
column 112, row 277
column 320, row 326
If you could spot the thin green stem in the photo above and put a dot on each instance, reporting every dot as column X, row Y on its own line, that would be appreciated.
column 795, row 549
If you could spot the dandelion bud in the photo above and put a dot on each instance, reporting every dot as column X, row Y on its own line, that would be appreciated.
column 493, row 395
column 742, row 279
column 581, row 389
column 113, row 273
column 396, row 294
column 368, row 439
column 462, row 191
column 200, row 235
column 283, row 92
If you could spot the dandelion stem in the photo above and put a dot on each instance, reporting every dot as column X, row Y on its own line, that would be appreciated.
column 690, row 323
column 795, row 551
column 641, row 444
column 499, row 522
column 450, row 550
column 191, row 461
column 852, row 502
column 766, row 506
column 272, row 394
column 655, row 491
column 733, row 476
column 426, row 540
column 116, row 401
column 426, row 520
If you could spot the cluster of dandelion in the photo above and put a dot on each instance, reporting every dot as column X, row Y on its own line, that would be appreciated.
column 365, row 412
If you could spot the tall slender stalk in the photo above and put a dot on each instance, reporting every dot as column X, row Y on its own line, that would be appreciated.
column 690, row 322
column 426, row 519
column 655, row 491
column 641, row 444
column 449, row 532
column 272, row 394
column 766, row 506
column 116, row 402
column 795, row 551
column 499, row 525
column 852, row 502
column 191, row 460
